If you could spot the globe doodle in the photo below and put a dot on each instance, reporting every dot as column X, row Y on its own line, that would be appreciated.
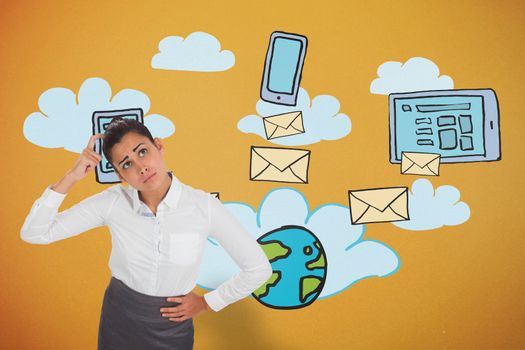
column 299, row 268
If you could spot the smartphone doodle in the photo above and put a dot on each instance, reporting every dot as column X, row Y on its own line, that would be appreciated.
column 283, row 67
column 105, row 174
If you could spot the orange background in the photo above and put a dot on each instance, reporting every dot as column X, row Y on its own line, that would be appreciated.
column 457, row 287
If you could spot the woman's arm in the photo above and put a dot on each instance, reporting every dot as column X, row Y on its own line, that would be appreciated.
column 244, row 250
column 44, row 225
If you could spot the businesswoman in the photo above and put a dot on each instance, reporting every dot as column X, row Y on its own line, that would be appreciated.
column 159, row 227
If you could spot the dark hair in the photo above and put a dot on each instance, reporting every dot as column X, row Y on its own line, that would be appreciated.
column 117, row 128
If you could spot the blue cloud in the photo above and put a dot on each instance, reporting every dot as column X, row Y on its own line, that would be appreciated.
column 429, row 209
column 350, row 257
column 416, row 74
column 321, row 118
column 65, row 118
column 199, row 52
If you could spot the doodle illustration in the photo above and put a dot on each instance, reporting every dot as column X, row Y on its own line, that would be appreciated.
column 198, row 52
column 66, row 118
column 431, row 209
column 279, row 164
column 281, row 125
column 315, row 254
column 299, row 268
column 415, row 163
column 416, row 74
column 320, row 116
column 460, row 125
column 105, row 173
column 379, row 205
column 283, row 68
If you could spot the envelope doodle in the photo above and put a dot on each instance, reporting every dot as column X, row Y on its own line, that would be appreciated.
column 417, row 163
column 286, row 124
column 379, row 205
column 279, row 164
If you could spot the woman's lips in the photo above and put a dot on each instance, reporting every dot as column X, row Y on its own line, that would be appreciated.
column 149, row 177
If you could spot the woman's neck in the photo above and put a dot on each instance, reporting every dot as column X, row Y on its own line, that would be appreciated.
column 154, row 197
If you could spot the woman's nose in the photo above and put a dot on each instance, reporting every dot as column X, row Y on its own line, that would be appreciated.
column 143, row 168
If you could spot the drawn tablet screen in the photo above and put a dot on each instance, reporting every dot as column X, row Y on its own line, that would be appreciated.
column 284, row 65
column 101, row 119
column 103, row 124
column 460, row 125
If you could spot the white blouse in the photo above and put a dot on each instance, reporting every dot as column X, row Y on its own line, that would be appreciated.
column 156, row 255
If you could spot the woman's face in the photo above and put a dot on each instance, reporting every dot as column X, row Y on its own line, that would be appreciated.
column 139, row 162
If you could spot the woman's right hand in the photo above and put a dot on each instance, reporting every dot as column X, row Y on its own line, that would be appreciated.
column 87, row 161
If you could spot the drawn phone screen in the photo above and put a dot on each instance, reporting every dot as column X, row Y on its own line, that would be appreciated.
column 460, row 125
column 105, row 173
column 283, row 68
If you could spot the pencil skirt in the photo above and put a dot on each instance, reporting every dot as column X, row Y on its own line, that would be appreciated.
column 132, row 320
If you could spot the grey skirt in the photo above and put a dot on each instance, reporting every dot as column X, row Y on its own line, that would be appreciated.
column 132, row 320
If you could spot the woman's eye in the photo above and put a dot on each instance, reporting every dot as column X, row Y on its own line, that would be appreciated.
column 125, row 165
column 143, row 151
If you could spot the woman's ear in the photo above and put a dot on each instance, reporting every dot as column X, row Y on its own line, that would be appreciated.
column 158, row 143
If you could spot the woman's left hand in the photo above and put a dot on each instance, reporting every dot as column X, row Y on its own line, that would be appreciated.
column 191, row 305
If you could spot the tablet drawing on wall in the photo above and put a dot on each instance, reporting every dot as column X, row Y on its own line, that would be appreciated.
column 460, row 125
column 105, row 173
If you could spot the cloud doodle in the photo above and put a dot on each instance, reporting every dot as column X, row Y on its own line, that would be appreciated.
column 321, row 119
column 350, row 257
column 198, row 52
column 431, row 209
column 65, row 118
column 416, row 74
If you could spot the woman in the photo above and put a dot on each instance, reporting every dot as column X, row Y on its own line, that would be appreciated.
column 159, row 227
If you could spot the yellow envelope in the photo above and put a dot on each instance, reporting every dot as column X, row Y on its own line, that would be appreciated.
column 279, row 164
column 379, row 205
column 281, row 125
column 420, row 163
